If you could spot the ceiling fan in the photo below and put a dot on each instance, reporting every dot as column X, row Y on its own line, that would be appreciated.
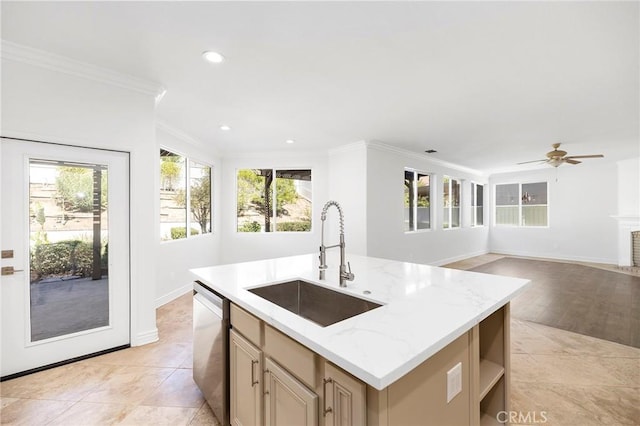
column 558, row 156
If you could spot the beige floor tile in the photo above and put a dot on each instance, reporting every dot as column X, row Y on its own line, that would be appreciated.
column 158, row 354
column 205, row 417
column 158, row 416
column 177, row 332
column 90, row 414
column 570, row 405
column 32, row 412
column 178, row 390
column 67, row 383
column 578, row 344
column 526, row 339
column 129, row 385
column 6, row 401
column 575, row 370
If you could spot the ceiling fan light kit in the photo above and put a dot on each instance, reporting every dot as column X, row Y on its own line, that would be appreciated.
column 558, row 156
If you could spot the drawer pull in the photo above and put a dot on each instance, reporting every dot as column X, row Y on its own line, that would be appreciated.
column 326, row 410
column 253, row 373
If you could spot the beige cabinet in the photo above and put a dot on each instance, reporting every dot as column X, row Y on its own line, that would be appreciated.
column 492, row 361
column 245, row 381
column 344, row 398
column 284, row 391
column 287, row 400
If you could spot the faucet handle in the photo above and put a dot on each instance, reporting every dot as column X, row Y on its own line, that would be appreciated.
column 349, row 275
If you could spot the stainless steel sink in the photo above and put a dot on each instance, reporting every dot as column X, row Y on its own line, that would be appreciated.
column 313, row 302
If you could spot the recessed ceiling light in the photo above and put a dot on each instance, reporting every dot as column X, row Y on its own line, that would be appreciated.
column 213, row 57
column 290, row 141
column 225, row 127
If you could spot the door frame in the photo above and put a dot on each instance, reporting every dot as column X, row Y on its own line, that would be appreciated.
column 129, row 290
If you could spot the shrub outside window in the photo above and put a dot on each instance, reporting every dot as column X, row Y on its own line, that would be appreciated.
column 256, row 190
column 477, row 203
column 175, row 171
column 451, row 202
column 417, row 201
column 522, row 204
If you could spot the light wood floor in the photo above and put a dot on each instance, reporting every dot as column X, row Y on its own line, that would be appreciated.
column 570, row 378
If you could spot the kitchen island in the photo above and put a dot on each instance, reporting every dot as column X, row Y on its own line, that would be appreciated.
column 439, row 342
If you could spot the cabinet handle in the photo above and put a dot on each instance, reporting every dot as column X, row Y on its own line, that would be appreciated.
column 266, row 380
column 253, row 373
column 325, row 410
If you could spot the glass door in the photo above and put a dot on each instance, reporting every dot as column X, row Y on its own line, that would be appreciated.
column 65, row 242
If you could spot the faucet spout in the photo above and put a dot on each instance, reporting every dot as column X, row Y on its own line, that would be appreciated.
column 344, row 275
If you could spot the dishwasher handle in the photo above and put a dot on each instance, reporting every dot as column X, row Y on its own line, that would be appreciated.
column 209, row 304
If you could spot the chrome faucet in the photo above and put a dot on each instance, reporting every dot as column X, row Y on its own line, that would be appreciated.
column 344, row 275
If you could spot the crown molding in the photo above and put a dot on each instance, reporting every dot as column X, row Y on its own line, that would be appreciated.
column 381, row 146
column 28, row 55
column 179, row 134
column 348, row 148
column 188, row 139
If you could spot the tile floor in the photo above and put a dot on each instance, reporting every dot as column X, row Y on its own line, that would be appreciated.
column 558, row 377
column 146, row 385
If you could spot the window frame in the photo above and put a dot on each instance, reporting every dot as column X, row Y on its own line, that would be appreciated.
column 520, row 204
column 274, row 203
column 474, row 204
column 450, row 209
column 413, row 228
column 187, row 188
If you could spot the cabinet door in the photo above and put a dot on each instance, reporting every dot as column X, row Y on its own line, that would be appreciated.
column 345, row 398
column 287, row 401
column 245, row 377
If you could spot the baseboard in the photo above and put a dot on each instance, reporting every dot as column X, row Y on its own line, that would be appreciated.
column 458, row 258
column 163, row 300
column 556, row 256
column 146, row 337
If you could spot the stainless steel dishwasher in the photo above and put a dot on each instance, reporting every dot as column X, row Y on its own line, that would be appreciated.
column 211, row 348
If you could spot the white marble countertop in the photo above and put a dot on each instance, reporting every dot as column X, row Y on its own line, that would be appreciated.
column 425, row 308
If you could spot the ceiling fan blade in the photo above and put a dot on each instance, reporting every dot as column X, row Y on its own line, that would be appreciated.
column 570, row 161
column 534, row 161
column 586, row 156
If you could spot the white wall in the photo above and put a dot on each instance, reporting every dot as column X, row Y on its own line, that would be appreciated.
column 581, row 203
column 175, row 258
column 52, row 105
column 385, row 210
column 245, row 246
column 347, row 186
column 628, row 213
column 629, row 187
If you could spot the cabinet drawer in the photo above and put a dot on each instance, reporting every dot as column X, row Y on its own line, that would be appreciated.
column 246, row 324
column 297, row 359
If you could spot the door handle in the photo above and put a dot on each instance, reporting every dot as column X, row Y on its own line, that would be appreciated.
column 8, row 270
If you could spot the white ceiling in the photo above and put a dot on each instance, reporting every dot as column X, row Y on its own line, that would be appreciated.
column 486, row 84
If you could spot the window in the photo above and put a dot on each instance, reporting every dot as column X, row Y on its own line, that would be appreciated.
column 451, row 202
column 477, row 203
column 417, row 209
column 175, row 171
column 521, row 204
column 256, row 190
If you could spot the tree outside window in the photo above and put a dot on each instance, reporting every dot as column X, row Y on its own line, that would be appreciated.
column 417, row 203
column 175, row 195
column 256, row 190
